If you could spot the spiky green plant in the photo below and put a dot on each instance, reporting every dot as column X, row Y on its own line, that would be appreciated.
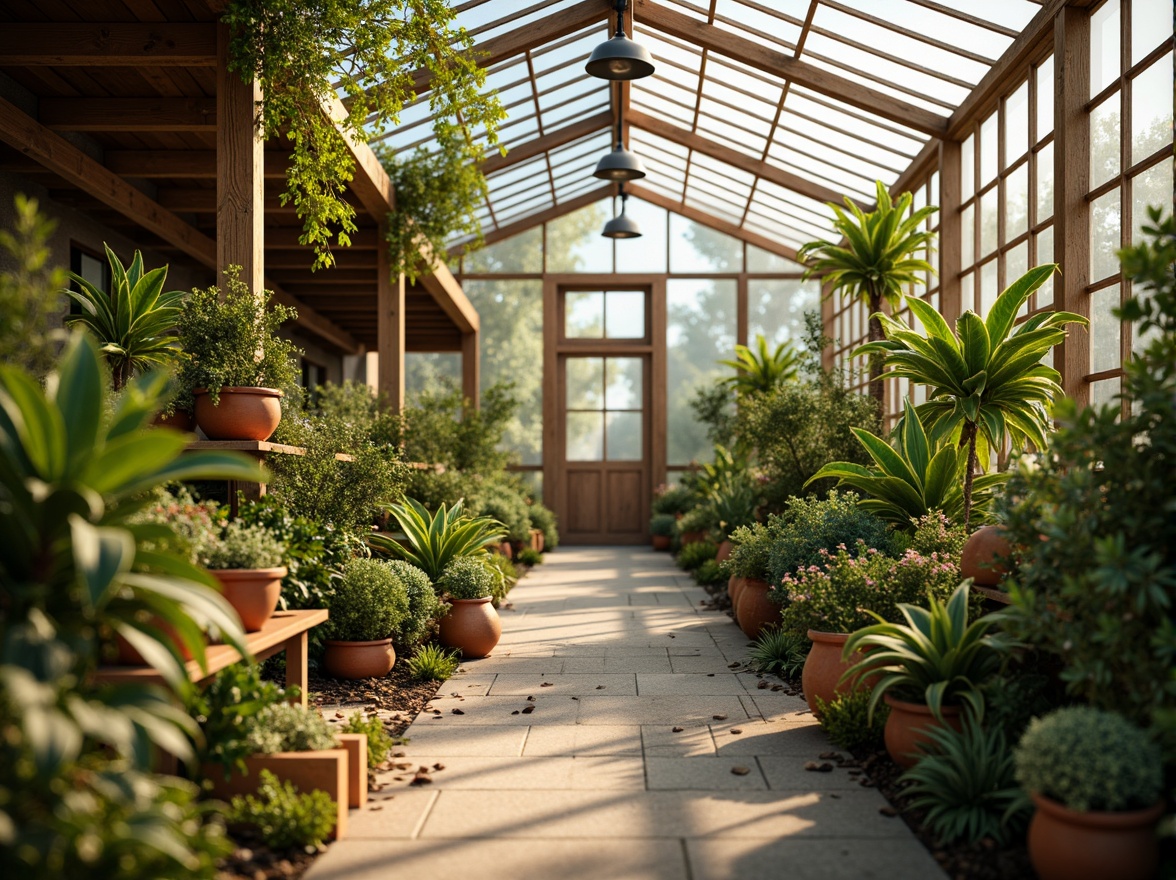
column 780, row 652
column 433, row 663
column 759, row 371
column 436, row 539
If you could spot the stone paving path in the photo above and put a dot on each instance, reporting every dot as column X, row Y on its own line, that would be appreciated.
column 622, row 767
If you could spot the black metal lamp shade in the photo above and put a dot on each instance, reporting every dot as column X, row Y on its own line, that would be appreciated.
column 620, row 58
column 622, row 226
column 620, row 164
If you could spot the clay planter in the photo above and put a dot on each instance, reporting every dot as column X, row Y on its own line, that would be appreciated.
column 359, row 659
column 327, row 770
column 242, row 414
column 253, row 593
column 128, row 655
column 661, row 542
column 754, row 610
column 693, row 537
column 725, row 548
column 504, row 549
column 982, row 550
column 905, row 728
column 472, row 626
column 1067, row 845
column 180, row 420
column 734, row 591
column 823, row 668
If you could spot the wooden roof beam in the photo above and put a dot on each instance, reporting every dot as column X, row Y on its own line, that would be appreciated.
column 549, row 141
column 761, row 57
column 108, row 44
column 183, row 164
column 128, row 114
column 443, row 287
column 553, row 213
column 371, row 183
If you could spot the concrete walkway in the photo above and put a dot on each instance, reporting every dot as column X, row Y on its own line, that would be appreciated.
column 610, row 737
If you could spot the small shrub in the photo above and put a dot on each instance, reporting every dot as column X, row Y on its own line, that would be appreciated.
column 227, row 709
column 698, row 519
column 370, row 603
column 966, row 783
column 710, row 574
column 433, row 663
column 674, row 500
column 543, row 519
column 243, row 546
column 423, row 605
column 467, row 578
column 504, row 503
column 1090, row 760
column 662, row 524
column 846, row 720
column 379, row 743
column 529, row 556
column 810, row 525
column 779, row 652
column 1017, row 696
column 751, row 550
column 283, row 817
column 504, row 573
column 286, row 727
column 693, row 555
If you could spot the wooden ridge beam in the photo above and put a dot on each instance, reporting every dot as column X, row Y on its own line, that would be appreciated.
column 183, row 164
column 734, row 158
column 549, row 141
column 108, row 44
column 761, row 57
column 128, row 114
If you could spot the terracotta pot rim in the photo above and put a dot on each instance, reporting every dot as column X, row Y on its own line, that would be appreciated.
column 828, row 638
column 482, row 601
column 919, row 708
column 259, row 390
column 355, row 643
column 1099, row 818
column 245, row 573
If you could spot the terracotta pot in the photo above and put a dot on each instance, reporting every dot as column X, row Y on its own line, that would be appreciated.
column 128, row 655
column 725, row 548
column 734, row 591
column 505, row 549
column 755, row 611
column 693, row 537
column 1068, row 845
column 344, row 659
column 472, row 626
column 241, row 414
column 180, row 420
column 327, row 770
column 905, row 731
column 253, row 593
column 983, row 555
column 661, row 542
column 823, row 668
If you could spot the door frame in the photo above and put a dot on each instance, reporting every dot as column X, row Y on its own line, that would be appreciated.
column 554, row 471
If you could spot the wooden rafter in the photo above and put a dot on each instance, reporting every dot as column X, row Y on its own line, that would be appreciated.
column 549, row 141
column 552, row 213
column 128, row 114
column 113, row 44
column 183, row 164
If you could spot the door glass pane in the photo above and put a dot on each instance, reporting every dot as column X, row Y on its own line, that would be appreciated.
column 585, row 440
column 624, row 383
column 624, row 436
column 625, row 314
column 585, row 383
column 584, row 315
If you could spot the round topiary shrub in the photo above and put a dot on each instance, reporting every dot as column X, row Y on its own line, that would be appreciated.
column 467, row 578
column 423, row 605
column 369, row 604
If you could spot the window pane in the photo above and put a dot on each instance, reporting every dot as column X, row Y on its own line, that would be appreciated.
column 1104, row 141
column 1104, row 46
column 698, row 248
column 759, row 260
column 624, row 436
column 1104, row 330
column 1104, row 392
column 1045, row 183
column 967, row 296
column 776, row 308
column 1152, row 187
column 1045, row 255
column 1104, row 235
column 1151, row 109
column 585, row 383
column 1045, row 94
column 1151, row 22
column 624, row 383
column 584, row 314
column 988, row 149
column 585, row 440
column 1016, row 202
column 648, row 253
column 574, row 242
column 625, row 314
column 1016, row 265
column 968, row 236
column 520, row 253
column 988, row 222
column 968, row 167
column 988, row 288
column 1016, row 124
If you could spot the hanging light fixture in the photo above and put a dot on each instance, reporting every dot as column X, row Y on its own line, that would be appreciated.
column 621, row 164
column 620, row 57
column 622, row 226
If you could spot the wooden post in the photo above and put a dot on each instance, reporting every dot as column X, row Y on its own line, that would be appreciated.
column 240, row 164
column 949, row 230
column 390, row 329
column 1072, row 182
column 470, row 369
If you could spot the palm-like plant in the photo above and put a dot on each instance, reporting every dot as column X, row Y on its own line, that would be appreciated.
column 913, row 477
column 985, row 381
column 876, row 261
column 437, row 539
column 134, row 322
column 759, row 371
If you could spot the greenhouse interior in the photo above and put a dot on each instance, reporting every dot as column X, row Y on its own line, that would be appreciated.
column 596, row 439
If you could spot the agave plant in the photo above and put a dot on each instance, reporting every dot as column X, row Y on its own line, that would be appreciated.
column 759, row 371
column 913, row 477
column 437, row 539
column 876, row 261
column 936, row 657
column 985, row 381
column 134, row 322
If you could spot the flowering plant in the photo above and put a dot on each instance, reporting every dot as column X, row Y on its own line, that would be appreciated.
column 197, row 524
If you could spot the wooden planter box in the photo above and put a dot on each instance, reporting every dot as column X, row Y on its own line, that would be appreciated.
column 357, row 761
column 537, row 540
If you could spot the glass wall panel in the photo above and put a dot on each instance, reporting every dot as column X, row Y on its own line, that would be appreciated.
column 574, row 242
column 768, row 263
column 647, row 253
column 698, row 248
column 584, row 314
column 522, row 253
column 430, row 371
column 1151, row 109
column 776, row 308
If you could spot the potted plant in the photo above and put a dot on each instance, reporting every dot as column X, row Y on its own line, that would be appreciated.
column 236, row 366
column 369, row 606
column 432, row 540
column 661, row 528
column 985, row 556
column 246, row 560
column 1096, row 780
column 472, row 625
column 930, row 666
column 733, row 501
column 748, row 561
column 695, row 523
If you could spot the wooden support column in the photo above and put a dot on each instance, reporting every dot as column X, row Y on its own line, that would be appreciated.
column 949, row 230
column 390, row 322
column 240, row 179
column 470, row 369
column 1072, row 182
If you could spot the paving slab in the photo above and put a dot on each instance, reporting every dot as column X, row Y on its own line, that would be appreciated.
column 806, row 859
column 694, row 684
column 682, row 710
column 575, row 740
column 527, row 773
column 704, row 774
column 564, row 684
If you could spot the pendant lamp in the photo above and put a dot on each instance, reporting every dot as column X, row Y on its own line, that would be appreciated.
column 622, row 226
column 620, row 57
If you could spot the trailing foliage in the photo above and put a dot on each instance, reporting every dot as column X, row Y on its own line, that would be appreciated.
column 433, row 663
column 467, row 577
column 288, row 727
column 848, row 722
column 370, row 602
column 759, row 371
column 30, row 299
column 437, row 539
column 379, row 743
column 282, row 816
column 779, row 652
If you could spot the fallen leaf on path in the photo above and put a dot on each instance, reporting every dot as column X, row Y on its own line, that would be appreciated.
column 677, row 730
column 814, row 767
column 528, row 710
column 457, row 711
column 720, row 717
column 740, row 771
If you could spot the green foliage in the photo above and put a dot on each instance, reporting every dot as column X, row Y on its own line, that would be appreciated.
column 288, row 727
column 985, row 380
column 227, row 710
column 1017, row 696
column 710, row 574
column 848, row 722
column 914, row 477
column 936, row 657
column 1090, row 760
column 811, row 525
column 232, row 340
column 366, row 51
column 283, row 817
column 134, row 323
column 543, row 519
column 423, row 605
column 529, row 556
column 433, row 663
column 467, row 577
column 733, row 501
column 779, row 652
column 30, row 302
column 692, row 556
column 698, row 519
column 370, row 602
column 966, row 783
column 379, row 743
column 503, row 502
column 434, row 540
column 195, row 525
column 759, row 371
column 751, row 550
column 504, row 573
column 443, row 428
column 662, row 524
column 714, row 408
column 243, row 546
column 674, row 500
